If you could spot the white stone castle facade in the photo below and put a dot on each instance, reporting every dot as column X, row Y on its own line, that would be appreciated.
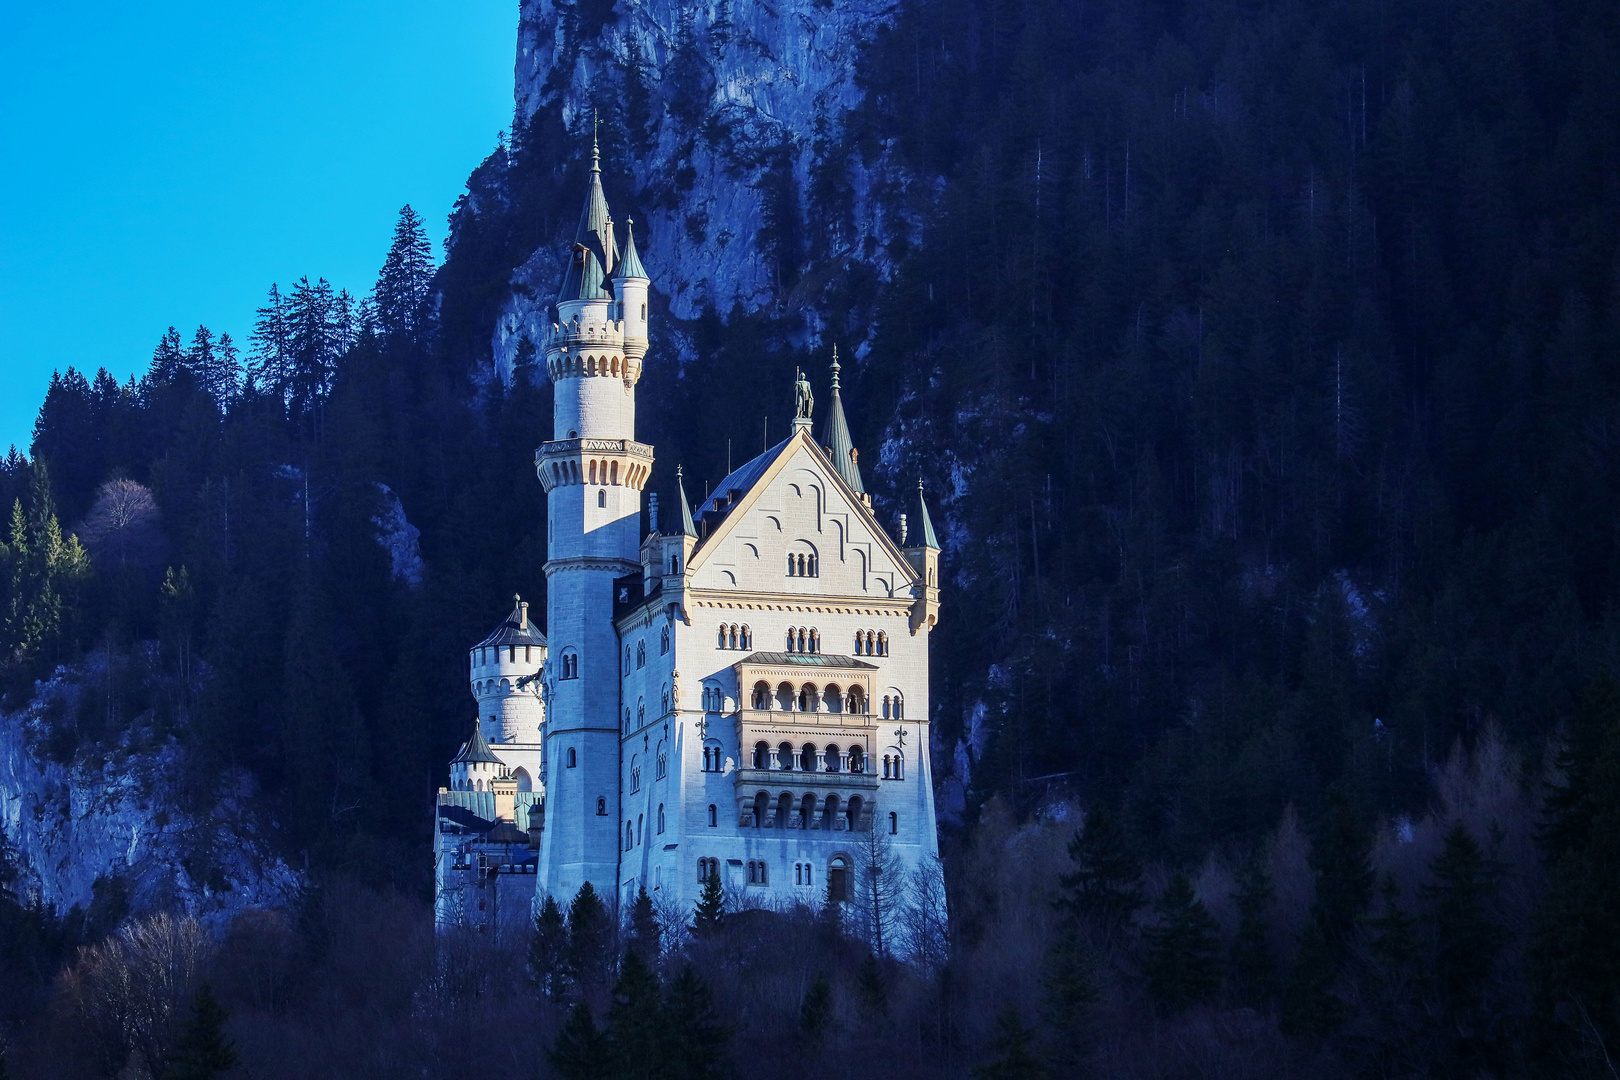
column 741, row 692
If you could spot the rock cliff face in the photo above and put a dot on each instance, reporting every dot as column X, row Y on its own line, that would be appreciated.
column 728, row 119
column 117, row 820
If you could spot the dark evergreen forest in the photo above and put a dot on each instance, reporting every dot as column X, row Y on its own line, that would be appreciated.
column 1262, row 361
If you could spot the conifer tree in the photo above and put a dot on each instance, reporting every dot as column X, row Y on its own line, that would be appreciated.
column 402, row 286
column 168, row 359
column 46, row 570
column 203, row 1051
column 548, row 949
column 1106, row 883
column 1069, row 990
column 695, row 1038
column 1253, row 966
column 269, row 353
column 815, row 1011
column 590, row 943
column 873, row 986
column 645, row 933
column 1012, row 1047
column 710, row 913
column 1182, row 964
column 581, row 1051
column 1468, row 941
column 634, row 1028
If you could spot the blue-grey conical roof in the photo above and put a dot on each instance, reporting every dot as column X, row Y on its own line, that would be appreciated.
column 925, row 524
column 835, row 437
column 595, row 251
column 687, row 527
column 629, row 263
column 475, row 750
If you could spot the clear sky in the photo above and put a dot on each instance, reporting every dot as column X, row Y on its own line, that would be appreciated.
column 162, row 163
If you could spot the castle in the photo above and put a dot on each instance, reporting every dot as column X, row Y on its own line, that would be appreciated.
column 741, row 694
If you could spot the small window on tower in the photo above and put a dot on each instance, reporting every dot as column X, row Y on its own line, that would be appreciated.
column 601, row 497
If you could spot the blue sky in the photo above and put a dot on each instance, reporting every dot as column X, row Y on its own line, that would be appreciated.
column 162, row 163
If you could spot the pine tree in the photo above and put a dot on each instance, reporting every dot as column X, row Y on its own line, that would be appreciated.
column 1309, row 1006
column 46, row 570
column 645, row 933
column 548, row 949
column 815, row 1011
column 710, row 913
column 1468, row 942
column 1182, row 964
column 1106, row 884
column 1014, row 1059
column 168, row 359
column 634, row 1028
column 216, row 364
column 880, row 881
column 1253, row 966
column 269, row 352
column 1069, row 990
column 202, row 1051
column 1342, row 860
column 695, row 1038
column 873, row 987
column 590, row 943
column 581, row 1051
column 402, row 286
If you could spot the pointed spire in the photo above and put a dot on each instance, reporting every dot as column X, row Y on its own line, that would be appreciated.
column 923, row 523
column 687, row 527
column 476, row 749
column 629, row 263
column 835, row 436
column 595, row 252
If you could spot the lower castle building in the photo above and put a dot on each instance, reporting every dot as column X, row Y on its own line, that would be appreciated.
column 743, row 694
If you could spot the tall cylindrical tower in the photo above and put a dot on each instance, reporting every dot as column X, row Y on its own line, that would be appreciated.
column 593, row 472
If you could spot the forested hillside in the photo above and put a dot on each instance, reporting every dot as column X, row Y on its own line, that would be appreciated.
column 1263, row 362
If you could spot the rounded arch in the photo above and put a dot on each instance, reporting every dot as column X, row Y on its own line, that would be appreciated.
column 524, row 781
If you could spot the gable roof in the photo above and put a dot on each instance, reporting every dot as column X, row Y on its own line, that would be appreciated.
column 755, row 476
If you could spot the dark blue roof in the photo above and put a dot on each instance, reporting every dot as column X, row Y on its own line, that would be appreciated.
column 741, row 480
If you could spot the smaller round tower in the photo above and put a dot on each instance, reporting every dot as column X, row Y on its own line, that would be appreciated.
column 475, row 768
column 505, row 670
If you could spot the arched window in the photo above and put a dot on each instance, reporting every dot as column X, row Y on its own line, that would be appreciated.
column 663, row 640
column 627, row 719
column 762, row 696
column 601, row 497
column 601, row 807
column 662, row 766
column 722, row 636
column 856, row 804
column 635, row 773
column 570, row 664
column 573, row 759
column 714, row 816
column 734, row 642
column 831, row 757
column 815, row 640
column 627, row 660
column 857, row 760
column 665, row 702
column 807, row 757
column 661, row 820
column 747, row 637
column 791, row 565
column 894, row 823
column 641, row 654
column 790, row 647
column 629, row 836
column 784, row 757
column 894, row 765
column 641, row 712
column 762, row 755
column 838, row 879
column 641, row 827
column 882, row 644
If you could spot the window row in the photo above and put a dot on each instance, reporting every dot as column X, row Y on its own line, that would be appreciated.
column 809, row 759
column 808, row 698
column 633, row 830
column 806, row 812
column 758, row 873
column 803, row 564
column 735, row 636
column 871, row 643
column 803, row 641
column 511, row 654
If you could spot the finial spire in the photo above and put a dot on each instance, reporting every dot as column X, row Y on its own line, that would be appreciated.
column 596, row 146
column 835, row 366
column 688, row 528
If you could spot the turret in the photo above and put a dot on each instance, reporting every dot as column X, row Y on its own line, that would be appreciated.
column 630, row 283
column 503, row 671
column 475, row 768
column 924, row 559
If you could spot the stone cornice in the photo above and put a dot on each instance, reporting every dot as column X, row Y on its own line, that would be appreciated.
column 725, row 600
column 617, row 567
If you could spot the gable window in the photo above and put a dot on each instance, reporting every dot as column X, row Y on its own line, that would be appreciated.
column 803, row 564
